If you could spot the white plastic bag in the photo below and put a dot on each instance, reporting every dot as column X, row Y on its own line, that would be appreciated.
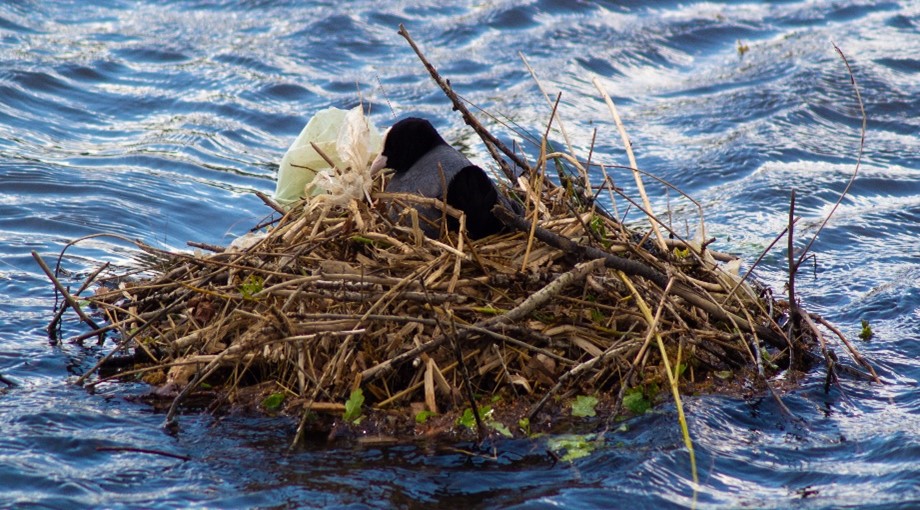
column 346, row 137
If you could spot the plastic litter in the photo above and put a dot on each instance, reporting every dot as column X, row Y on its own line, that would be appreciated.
column 348, row 138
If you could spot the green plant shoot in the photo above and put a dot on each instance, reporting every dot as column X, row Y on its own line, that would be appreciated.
column 866, row 333
column 273, row 401
column 422, row 416
column 636, row 402
column 353, row 406
column 583, row 406
column 252, row 285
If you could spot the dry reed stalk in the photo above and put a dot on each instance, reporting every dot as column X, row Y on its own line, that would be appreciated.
column 653, row 221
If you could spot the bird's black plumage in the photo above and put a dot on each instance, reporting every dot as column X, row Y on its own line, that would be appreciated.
column 423, row 162
column 407, row 141
column 472, row 192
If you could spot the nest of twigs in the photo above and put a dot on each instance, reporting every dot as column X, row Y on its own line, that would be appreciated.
column 568, row 302
column 332, row 299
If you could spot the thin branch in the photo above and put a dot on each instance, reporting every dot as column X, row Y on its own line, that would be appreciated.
column 490, row 141
column 859, row 155
column 853, row 352
column 793, row 268
column 67, row 297
column 270, row 202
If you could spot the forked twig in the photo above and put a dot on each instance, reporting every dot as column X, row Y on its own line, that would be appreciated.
column 67, row 298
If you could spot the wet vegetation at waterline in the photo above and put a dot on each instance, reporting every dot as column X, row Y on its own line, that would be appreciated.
column 357, row 323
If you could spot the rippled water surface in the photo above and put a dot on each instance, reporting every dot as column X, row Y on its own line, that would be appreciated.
column 158, row 121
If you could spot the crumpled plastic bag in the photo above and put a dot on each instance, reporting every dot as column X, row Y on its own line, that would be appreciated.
column 348, row 138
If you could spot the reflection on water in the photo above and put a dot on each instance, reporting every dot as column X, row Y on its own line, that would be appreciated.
column 158, row 120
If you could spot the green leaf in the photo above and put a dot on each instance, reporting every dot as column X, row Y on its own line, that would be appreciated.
column 488, row 310
column 273, row 401
column 501, row 428
column 422, row 416
column 600, row 230
column 524, row 424
column 353, row 406
column 467, row 419
column 866, row 333
column 361, row 240
column 636, row 402
column 575, row 446
column 597, row 226
column 583, row 406
column 252, row 285
column 767, row 359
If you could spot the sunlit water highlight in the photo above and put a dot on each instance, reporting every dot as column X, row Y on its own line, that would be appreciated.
column 158, row 120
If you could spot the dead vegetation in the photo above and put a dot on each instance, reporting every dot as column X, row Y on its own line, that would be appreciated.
column 334, row 299
column 569, row 302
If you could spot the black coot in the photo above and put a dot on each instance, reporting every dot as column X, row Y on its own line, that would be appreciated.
column 418, row 155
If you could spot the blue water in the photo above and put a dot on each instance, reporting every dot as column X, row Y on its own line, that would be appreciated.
column 158, row 121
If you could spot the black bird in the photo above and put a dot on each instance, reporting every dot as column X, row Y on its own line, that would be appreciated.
column 417, row 153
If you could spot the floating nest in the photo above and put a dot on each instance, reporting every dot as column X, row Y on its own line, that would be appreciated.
column 570, row 302
column 341, row 312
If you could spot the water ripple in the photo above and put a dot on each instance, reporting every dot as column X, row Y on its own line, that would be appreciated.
column 157, row 121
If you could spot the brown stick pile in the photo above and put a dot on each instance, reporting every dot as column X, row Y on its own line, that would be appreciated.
column 332, row 299
column 569, row 301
